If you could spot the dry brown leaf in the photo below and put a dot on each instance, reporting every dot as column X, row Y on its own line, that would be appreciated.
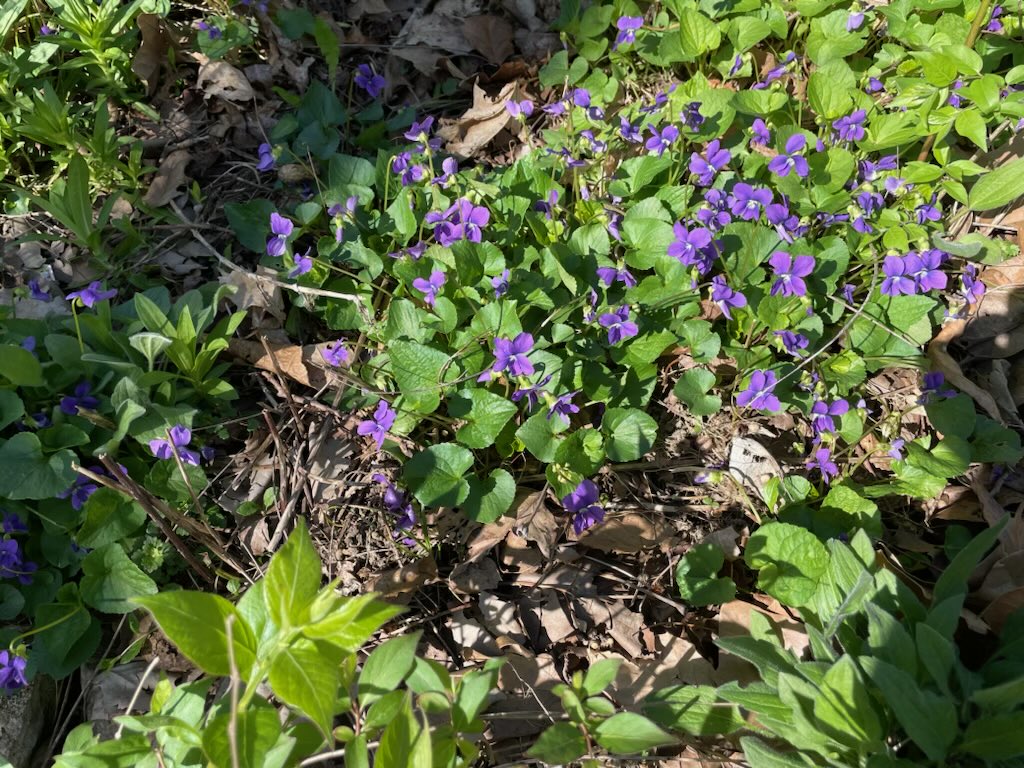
column 255, row 290
column 489, row 536
column 438, row 30
column 473, row 577
column 944, row 362
column 752, row 464
column 500, row 617
column 152, row 53
column 626, row 533
column 423, row 57
column 302, row 364
column 540, row 525
column 404, row 579
column 220, row 79
column 359, row 8
column 624, row 628
column 490, row 35
column 995, row 326
column 169, row 178
column 481, row 123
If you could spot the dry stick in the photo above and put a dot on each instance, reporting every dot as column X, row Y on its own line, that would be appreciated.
column 52, row 744
column 972, row 37
column 161, row 523
column 235, row 682
column 135, row 696
column 295, row 288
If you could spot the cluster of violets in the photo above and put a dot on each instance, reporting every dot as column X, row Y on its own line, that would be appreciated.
column 725, row 196
column 13, row 563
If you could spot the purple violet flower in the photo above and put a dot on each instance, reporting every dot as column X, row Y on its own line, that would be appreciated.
column 747, row 202
column 582, row 504
column 792, row 342
column 38, row 293
column 462, row 221
column 705, row 167
column 790, row 160
column 659, row 142
column 303, row 264
column 500, row 284
column 619, row 326
column 851, row 127
column 725, row 297
column 181, row 436
column 430, row 288
column 926, row 270
column 281, row 229
column 610, row 275
column 630, row 132
column 80, row 490
column 519, row 109
column 874, row 85
column 627, row 26
column 378, row 426
column 760, row 133
column 512, row 355
column 972, row 289
column 12, row 671
column 854, row 20
column 564, row 407
column 266, row 157
column 927, row 212
column 212, row 31
column 449, row 167
column 790, row 272
column 335, row 353
column 760, row 393
column 532, row 393
column 898, row 279
column 823, row 415
column 13, row 524
column 687, row 245
column 691, row 116
column 419, row 131
column 823, row 462
column 81, row 399
column 896, row 448
column 370, row 81
column 995, row 26
column 934, row 386
column 92, row 293
column 737, row 64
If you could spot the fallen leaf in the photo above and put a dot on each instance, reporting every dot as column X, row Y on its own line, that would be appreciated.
column 302, row 364
column 996, row 325
column 255, row 290
column 220, row 79
column 435, row 30
column 539, row 524
column 423, row 57
column 152, row 54
column 489, row 536
column 473, row 577
column 624, row 628
column 500, row 617
column 480, row 123
column 168, row 179
column 627, row 533
column 490, row 35
column 752, row 464
column 404, row 579
column 942, row 361
column 359, row 8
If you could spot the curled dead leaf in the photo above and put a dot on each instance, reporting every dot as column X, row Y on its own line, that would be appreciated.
column 222, row 80
column 481, row 122
column 490, row 35
column 168, row 179
column 627, row 533
column 942, row 361
column 752, row 464
column 156, row 42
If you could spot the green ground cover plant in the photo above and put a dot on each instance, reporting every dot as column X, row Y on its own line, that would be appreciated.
column 768, row 190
